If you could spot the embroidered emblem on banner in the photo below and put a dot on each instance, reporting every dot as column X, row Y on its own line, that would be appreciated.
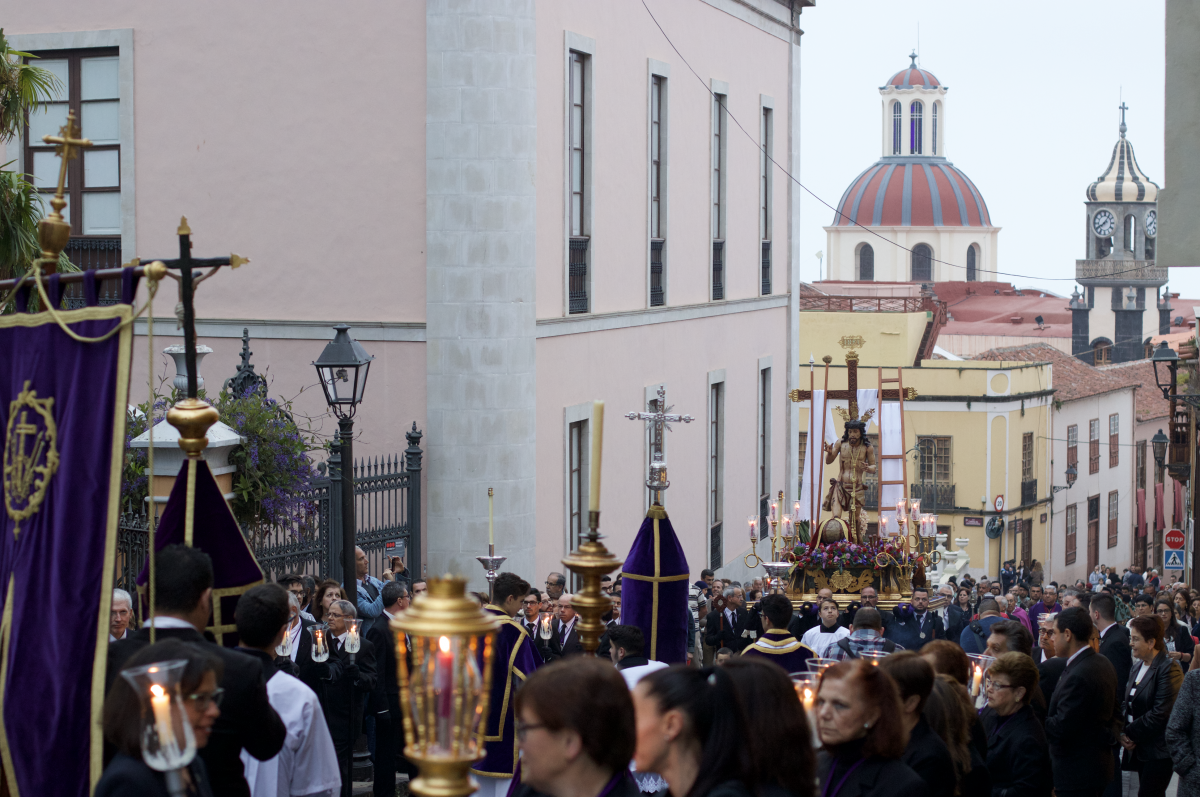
column 30, row 454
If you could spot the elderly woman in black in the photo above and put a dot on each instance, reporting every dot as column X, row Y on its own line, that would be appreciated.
column 861, row 724
column 1149, row 696
column 1018, row 758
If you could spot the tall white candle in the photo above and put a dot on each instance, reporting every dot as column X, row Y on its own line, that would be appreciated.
column 597, row 442
column 491, row 541
column 160, row 703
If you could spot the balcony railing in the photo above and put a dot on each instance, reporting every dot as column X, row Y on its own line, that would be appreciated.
column 656, row 272
column 766, row 268
column 933, row 496
column 715, row 553
column 1028, row 492
column 871, row 499
column 577, row 273
column 718, row 271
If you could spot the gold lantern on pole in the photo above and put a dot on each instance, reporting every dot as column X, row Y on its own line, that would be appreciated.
column 445, row 694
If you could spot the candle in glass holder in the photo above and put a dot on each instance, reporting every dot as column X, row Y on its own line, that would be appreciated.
column 883, row 526
column 320, row 648
column 915, row 505
column 160, row 703
column 773, row 508
column 753, row 521
column 976, row 680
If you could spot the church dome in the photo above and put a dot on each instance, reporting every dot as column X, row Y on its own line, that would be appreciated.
column 1123, row 180
column 912, row 192
column 913, row 76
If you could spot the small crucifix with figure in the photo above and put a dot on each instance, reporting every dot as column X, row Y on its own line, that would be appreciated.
column 661, row 418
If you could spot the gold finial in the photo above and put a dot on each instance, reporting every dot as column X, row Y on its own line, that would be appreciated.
column 827, row 359
column 237, row 260
column 184, row 229
column 54, row 231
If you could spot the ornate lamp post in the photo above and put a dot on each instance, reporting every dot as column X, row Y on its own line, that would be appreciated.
column 445, row 693
column 342, row 369
column 1159, row 444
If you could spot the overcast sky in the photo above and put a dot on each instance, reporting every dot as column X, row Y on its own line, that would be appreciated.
column 1032, row 110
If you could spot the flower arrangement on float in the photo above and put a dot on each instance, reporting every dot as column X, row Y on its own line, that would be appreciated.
column 845, row 555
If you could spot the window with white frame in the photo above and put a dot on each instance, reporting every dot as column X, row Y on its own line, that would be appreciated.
column 716, row 481
column 764, row 448
column 658, row 242
column 577, row 442
column 766, row 139
column 717, row 191
column 578, row 182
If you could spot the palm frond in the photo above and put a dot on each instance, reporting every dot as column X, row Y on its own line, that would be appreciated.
column 24, row 88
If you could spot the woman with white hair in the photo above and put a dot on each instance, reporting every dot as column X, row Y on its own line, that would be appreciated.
column 120, row 616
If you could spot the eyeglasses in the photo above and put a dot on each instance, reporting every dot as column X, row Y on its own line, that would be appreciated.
column 992, row 685
column 202, row 699
column 531, row 602
column 523, row 729
column 332, row 616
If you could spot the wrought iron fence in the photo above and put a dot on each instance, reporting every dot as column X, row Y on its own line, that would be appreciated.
column 1028, row 491
column 387, row 492
column 718, row 271
column 657, row 298
column 577, row 276
column 933, row 496
column 766, row 268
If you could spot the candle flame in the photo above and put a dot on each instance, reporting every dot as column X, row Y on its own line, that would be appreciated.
column 808, row 695
column 157, row 690
column 444, row 644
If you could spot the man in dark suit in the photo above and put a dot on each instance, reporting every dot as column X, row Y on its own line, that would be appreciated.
column 913, row 628
column 530, row 613
column 724, row 627
column 183, row 596
column 384, row 703
column 351, row 679
column 1083, row 718
column 565, row 640
column 1114, row 646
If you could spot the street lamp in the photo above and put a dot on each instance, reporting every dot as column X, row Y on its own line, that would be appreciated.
column 1165, row 356
column 342, row 369
column 1072, row 473
column 1159, row 443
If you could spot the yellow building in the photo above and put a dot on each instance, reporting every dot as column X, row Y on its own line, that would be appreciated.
column 978, row 435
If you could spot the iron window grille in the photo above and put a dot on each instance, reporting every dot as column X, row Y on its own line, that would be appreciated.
column 718, row 270
column 766, row 268
column 577, row 271
column 657, row 296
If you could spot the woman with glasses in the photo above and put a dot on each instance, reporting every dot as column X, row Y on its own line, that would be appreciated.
column 1018, row 759
column 128, row 775
column 1176, row 636
column 1149, row 697
column 575, row 727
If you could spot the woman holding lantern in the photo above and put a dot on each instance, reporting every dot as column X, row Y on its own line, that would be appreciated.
column 784, row 768
column 128, row 774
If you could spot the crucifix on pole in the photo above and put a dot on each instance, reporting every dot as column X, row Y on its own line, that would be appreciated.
column 658, row 420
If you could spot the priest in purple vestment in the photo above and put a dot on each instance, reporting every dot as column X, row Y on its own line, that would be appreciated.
column 777, row 644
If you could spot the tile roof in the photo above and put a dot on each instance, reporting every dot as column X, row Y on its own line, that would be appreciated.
column 1073, row 378
column 1148, row 402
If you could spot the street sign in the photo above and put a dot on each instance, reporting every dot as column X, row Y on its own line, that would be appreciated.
column 1174, row 539
column 1173, row 560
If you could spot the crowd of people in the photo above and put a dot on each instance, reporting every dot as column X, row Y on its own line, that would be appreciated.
column 1090, row 689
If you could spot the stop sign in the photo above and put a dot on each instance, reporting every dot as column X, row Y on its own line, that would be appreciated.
column 1174, row 539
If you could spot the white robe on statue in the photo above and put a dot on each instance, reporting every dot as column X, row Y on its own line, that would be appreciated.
column 307, row 765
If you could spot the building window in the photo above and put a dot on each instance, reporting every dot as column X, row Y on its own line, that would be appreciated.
column 658, row 87
column 578, row 185
column 719, row 125
column 1072, row 450
column 803, row 449
column 935, row 459
column 935, row 121
column 1130, row 226
column 897, row 114
column 972, row 272
column 866, row 263
column 922, row 263
column 1114, row 448
column 1141, row 464
column 577, row 455
column 764, row 204
column 1102, row 353
column 1094, row 445
column 1072, row 528
column 1027, row 455
column 914, row 128
column 1112, row 519
column 764, row 445
column 89, row 87
column 716, row 486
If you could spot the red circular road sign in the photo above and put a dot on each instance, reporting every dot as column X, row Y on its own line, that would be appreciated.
column 1174, row 539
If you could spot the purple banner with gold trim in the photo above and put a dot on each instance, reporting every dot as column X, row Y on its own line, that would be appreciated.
column 63, row 405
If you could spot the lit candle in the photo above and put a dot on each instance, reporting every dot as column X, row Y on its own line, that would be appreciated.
column 808, row 699
column 976, row 680
column 773, row 511
column 899, row 510
column 444, row 678
column 883, row 526
column 160, row 703
column 491, row 541
column 753, row 521
column 597, row 442
column 352, row 642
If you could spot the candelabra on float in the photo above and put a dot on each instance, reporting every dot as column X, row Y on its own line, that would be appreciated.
column 491, row 563
column 591, row 559
column 777, row 568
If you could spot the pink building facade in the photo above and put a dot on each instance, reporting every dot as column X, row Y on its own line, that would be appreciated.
column 519, row 207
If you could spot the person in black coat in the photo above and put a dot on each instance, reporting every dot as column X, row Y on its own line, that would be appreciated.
column 128, row 775
column 384, row 702
column 1176, row 637
column 915, row 626
column 926, row 753
column 959, row 614
column 1148, row 698
column 864, row 735
column 1017, row 758
column 565, row 639
column 1082, row 719
column 1114, row 637
column 183, row 592
column 343, row 692
column 724, row 626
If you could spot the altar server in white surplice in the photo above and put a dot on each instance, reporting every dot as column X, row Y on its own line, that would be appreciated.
column 824, row 636
column 307, row 765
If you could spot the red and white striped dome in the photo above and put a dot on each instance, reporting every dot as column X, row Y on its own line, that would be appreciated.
column 913, row 77
column 912, row 192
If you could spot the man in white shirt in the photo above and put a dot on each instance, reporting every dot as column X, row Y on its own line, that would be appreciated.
column 122, row 613
column 307, row 764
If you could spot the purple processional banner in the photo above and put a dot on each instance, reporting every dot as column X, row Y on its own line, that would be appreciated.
column 654, row 589
column 63, row 406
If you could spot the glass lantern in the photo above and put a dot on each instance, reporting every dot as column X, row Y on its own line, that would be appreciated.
column 284, row 648
column 445, row 693
column 752, row 520
column 167, row 740
column 320, row 642
column 353, row 638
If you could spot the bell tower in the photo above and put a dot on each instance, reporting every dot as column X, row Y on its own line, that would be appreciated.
column 1110, row 323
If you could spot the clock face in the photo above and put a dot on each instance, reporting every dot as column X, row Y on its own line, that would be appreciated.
column 1151, row 223
column 1104, row 223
